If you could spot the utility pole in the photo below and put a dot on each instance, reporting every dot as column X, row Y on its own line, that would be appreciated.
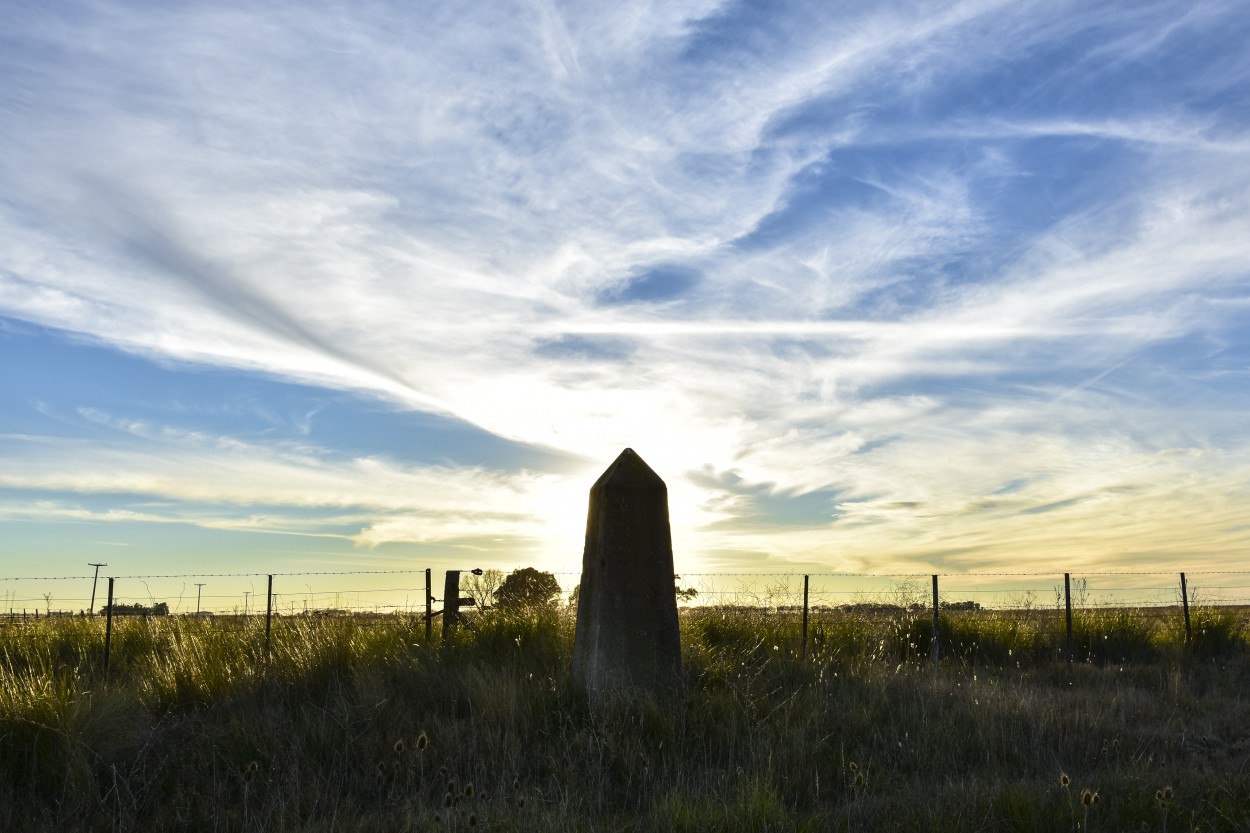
column 91, row 610
column 246, row 593
column 199, row 588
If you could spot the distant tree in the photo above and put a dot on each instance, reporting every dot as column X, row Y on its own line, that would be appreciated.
column 482, row 588
column 684, row 594
column 136, row 609
column 527, row 588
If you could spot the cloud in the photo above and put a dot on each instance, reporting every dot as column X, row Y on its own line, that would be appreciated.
column 384, row 501
column 879, row 262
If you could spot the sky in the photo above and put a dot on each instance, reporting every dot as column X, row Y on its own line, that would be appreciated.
column 874, row 287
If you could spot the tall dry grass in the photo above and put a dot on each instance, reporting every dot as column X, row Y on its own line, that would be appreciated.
column 359, row 724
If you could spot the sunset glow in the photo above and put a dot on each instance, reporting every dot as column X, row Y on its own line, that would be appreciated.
column 895, row 288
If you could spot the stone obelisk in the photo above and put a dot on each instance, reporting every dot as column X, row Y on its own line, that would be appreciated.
column 627, row 638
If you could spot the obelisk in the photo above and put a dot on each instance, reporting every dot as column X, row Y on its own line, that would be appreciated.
column 627, row 638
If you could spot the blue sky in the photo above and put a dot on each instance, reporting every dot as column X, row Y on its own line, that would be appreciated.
column 892, row 287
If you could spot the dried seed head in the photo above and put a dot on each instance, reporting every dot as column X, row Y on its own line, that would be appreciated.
column 1064, row 780
column 1167, row 793
column 853, row 767
column 520, row 801
column 423, row 740
column 1094, row 798
column 860, row 780
column 250, row 771
column 399, row 746
column 516, row 783
column 468, row 789
column 447, row 800
column 472, row 820
column 1087, row 798
column 451, row 786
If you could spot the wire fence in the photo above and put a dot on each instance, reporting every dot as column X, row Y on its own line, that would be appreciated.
column 378, row 592
column 1062, row 616
column 350, row 592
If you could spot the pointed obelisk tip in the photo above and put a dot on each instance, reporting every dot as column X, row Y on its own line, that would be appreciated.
column 628, row 470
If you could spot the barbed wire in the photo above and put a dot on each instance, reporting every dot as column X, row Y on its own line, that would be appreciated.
column 685, row 576
column 221, row 575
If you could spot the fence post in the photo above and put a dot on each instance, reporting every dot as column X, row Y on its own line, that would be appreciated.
column 268, row 617
column 108, row 628
column 429, row 608
column 806, row 578
column 1185, row 606
column 451, row 604
column 1067, row 603
column 936, row 644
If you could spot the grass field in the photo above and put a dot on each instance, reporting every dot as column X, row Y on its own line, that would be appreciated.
column 358, row 724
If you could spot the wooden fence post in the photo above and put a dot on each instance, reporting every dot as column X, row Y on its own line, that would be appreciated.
column 451, row 604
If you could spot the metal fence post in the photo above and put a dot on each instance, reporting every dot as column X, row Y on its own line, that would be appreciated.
column 806, row 579
column 936, row 644
column 1067, row 603
column 1185, row 606
column 268, row 617
column 429, row 608
column 108, row 628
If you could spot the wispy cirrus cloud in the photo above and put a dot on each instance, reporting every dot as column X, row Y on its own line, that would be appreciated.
column 851, row 262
